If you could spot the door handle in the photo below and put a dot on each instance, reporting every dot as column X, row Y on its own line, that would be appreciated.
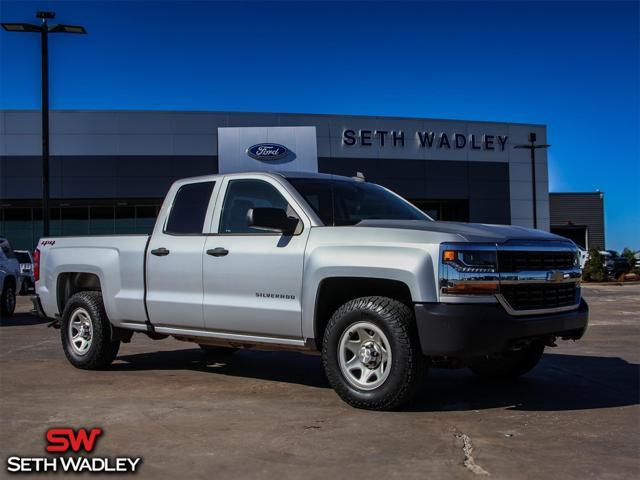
column 217, row 252
column 160, row 252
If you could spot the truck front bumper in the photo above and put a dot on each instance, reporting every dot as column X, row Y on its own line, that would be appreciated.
column 473, row 330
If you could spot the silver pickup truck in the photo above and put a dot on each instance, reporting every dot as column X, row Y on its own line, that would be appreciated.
column 319, row 264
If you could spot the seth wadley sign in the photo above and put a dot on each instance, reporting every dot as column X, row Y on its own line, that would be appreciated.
column 424, row 139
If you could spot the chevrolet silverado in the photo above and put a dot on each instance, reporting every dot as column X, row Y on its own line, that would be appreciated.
column 321, row 264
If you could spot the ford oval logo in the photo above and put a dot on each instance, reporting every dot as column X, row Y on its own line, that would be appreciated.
column 267, row 151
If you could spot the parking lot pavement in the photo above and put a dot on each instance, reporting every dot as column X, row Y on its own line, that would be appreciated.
column 272, row 415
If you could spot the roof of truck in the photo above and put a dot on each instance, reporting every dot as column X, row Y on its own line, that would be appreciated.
column 311, row 175
column 327, row 176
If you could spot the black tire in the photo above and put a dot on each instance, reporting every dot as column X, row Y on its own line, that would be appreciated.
column 215, row 350
column 509, row 365
column 102, row 350
column 8, row 300
column 407, row 368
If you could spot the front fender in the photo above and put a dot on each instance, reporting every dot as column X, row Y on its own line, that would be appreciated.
column 412, row 266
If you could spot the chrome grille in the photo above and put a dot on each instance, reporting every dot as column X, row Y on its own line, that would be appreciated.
column 519, row 261
column 539, row 296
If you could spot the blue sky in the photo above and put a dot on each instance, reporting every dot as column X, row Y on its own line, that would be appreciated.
column 572, row 66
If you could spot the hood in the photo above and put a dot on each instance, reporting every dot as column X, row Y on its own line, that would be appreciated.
column 471, row 232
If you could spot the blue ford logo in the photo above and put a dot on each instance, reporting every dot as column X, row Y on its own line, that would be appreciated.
column 267, row 151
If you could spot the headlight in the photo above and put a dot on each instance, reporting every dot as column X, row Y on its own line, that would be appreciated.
column 468, row 269
column 471, row 261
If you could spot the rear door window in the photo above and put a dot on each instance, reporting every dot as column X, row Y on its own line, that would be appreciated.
column 189, row 209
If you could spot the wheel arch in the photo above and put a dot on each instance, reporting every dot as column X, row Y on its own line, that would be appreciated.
column 70, row 283
column 10, row 280
column 333, row 292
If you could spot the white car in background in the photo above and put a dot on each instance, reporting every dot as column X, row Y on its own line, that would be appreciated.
column 583, row 255
column 10, row 278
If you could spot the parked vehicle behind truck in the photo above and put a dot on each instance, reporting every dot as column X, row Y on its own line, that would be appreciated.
column 25, row 260
column 10, row 278
column 319, row 264
column 615, row 265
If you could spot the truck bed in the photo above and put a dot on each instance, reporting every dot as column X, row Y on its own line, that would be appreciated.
column 116, row 260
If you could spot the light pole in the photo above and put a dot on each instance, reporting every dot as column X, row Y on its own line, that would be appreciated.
column 44, row 29
column 532, row 148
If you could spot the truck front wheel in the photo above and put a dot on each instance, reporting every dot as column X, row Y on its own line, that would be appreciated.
column 371, row 353
column 86, row 332
column 509, row 365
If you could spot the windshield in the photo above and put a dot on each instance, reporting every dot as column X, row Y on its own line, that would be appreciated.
column 23, row 257
column 341, row 202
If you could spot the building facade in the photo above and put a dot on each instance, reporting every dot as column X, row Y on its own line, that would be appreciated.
column 111, row 169
column 580, row 217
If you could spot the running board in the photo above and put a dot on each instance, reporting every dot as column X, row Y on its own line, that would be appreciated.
column 235, row 340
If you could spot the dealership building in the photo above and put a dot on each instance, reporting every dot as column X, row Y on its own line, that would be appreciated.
column 110, row 170
column 580, row 217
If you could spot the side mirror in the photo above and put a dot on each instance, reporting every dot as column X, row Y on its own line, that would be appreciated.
column 272, row 220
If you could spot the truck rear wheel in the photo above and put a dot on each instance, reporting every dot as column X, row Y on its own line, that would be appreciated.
column 86, row 332
column 509, row 365
column 371, row 353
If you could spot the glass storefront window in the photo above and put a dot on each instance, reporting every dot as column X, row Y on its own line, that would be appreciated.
column 145, row 218
column 75, row 221
column 22, row 225
column 447, row 210
column 55, row 227
column 18, row 226
column 101, row 220
column 125, row 220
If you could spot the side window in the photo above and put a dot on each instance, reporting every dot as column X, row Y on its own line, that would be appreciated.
column 189, row 209
column 245, row 194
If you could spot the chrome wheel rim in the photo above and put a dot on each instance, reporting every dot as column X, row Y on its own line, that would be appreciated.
column 80, row 331
column 364, row 355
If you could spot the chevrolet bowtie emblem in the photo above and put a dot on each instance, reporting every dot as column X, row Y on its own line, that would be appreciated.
column 555, row 276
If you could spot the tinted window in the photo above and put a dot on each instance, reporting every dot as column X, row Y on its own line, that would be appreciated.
column 341, row 202
column 243, row 195
column 23, row 257
column 189, row 209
